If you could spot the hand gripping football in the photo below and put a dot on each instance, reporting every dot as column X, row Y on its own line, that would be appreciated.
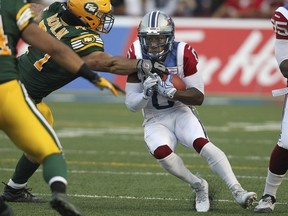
column 176, row 81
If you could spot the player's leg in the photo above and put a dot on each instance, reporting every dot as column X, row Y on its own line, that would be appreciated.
column 216, row 158
column 278, row 166
column 16, row 189
column 29, row 130
column 161, row 143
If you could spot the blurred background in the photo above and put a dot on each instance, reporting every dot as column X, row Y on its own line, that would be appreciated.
column 234, row 40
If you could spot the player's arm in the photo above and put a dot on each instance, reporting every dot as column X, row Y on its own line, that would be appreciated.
column 102, row 61
column 120, row 65
column 37, row 9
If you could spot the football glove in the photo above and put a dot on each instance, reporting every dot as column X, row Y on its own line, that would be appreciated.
column 146, row 67
column 166, row 88
column 149, row 86
column 103, row 83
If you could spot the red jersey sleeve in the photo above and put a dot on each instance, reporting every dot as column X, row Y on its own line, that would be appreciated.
column 280, row 23
column 190, row 60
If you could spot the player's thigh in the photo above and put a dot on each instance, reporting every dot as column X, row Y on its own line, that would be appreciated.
column 156, row 135
column 25, row 125
column 188, row 128
column 283, row 138
column 46, row 112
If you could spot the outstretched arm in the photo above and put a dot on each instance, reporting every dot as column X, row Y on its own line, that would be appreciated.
column 105, row 62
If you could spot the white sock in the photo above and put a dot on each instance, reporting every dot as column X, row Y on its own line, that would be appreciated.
column 175, row 166
column 273, row 181
column 219, row 164
column 14, row 185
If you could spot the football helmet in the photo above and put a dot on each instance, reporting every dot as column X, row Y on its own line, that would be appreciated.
column 156, row 35
column 96, row 14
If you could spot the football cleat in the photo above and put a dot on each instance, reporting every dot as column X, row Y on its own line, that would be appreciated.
column 266, row 204
column 244, row 198
column 5, row 210
column 61, row 204
column 202, row 196
column 20, row 195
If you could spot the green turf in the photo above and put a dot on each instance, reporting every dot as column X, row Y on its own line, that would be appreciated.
column 112, row 173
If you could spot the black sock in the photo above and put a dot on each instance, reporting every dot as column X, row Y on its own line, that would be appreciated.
column 24, row 170
column 58, row 187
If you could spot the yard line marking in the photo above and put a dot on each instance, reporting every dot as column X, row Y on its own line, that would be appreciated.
column 124, row 164
column 136, row 173
column 141, row 198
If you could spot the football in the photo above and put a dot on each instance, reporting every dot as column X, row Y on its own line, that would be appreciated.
column 176, row 80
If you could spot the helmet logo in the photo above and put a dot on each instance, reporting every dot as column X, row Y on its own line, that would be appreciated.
column 91, row 7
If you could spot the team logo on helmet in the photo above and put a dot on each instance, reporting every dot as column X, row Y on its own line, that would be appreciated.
column 91, row 7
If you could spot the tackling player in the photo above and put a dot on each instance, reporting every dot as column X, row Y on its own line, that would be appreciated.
column 168, row 117
column 19, row 116
column 278, row 164
column 77, row 24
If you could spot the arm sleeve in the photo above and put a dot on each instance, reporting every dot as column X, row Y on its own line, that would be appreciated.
column 135, row 100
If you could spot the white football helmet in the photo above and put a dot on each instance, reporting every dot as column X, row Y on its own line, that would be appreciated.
column 156, row 35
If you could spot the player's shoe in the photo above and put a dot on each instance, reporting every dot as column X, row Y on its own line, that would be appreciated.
column 20, row 195
column 60, row 203
column 244, row 198
column 266, row 204
column 5, row 210
column 202, row 196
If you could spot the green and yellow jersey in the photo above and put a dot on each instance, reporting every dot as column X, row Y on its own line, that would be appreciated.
column 40, row 74
column 14, row 18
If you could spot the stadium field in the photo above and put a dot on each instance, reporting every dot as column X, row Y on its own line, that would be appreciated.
column 111, row 172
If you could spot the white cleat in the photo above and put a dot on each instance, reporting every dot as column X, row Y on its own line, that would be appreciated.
column 244, row 198
column 266, row 204
column 202, row 196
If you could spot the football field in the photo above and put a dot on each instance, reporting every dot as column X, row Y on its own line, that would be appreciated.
column 111, row 172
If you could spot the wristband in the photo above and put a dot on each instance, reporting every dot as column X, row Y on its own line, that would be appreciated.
column 85, row 72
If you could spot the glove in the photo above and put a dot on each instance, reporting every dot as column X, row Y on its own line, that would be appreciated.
column 147, row 68
column 166, row 88
column 103, row 83
column 149, row 86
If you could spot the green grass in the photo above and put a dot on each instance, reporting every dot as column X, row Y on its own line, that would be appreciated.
column 112, row 173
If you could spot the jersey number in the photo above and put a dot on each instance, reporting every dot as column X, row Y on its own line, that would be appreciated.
column 158, row 106
column 39, row 64
column 4, row 49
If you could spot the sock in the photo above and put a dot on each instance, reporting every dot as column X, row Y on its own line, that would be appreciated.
column 219, row 164
column 278, row 163
column 58, row 187
column 175, row 166
column 55, row 169
column 23, row 171
column 273, row 181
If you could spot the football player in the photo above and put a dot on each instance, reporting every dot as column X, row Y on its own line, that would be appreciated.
column 278, row 164
column 19, row 116
column 76, row 24
column 168, row 113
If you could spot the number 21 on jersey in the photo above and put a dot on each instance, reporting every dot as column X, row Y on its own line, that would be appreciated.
column 4, row 49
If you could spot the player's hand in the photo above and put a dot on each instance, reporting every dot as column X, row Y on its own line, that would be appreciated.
column 149, row 86
column 147, row 68
column 103, row 83
column 166, row 88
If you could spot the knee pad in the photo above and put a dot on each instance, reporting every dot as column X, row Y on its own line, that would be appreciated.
column 199, row 143
column 162, row 152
